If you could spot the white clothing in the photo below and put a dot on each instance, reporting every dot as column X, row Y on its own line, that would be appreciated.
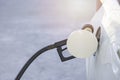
column 105, row 65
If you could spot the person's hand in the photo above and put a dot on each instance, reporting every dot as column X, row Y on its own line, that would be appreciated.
column 98, row 4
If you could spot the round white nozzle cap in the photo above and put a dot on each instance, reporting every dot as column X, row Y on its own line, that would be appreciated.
column 82, row 44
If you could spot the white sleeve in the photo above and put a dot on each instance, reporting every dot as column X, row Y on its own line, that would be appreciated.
column 111, row 24
column 106, row 64
column 111, row 20
column 112, row 9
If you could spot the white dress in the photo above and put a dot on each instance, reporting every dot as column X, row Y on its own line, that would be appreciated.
column 105, row 65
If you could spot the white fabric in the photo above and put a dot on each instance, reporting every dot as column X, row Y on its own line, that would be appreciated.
column 105, row 65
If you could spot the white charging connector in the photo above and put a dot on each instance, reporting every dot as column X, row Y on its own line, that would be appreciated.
column 82, row 43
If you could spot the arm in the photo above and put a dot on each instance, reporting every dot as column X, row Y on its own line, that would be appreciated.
column 98, row 4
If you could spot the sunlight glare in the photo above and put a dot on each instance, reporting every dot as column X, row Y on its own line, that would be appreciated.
column 80, row 9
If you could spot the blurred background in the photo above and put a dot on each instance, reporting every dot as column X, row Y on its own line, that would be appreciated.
column 29, row 25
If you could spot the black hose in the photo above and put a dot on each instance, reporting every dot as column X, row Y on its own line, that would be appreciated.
column 27, row 64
